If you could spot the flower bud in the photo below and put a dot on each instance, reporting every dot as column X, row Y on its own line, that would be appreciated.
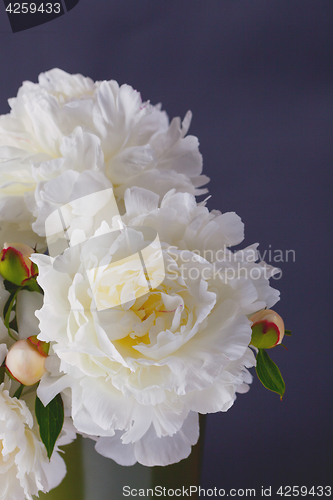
column 267, row 329
column 26, row 359
column 15, row 264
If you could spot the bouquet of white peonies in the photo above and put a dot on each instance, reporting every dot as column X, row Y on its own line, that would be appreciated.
column 125, row 313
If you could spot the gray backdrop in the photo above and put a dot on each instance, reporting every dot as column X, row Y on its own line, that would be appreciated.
column 258, row 77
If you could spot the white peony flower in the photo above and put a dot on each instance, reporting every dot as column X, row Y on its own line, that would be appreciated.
column 140, row 370
column 24, row 466
column 68, row 124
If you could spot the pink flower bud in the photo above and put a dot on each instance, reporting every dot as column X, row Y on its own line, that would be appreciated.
column 267, row 329
column 26, row 359
column 15, row 264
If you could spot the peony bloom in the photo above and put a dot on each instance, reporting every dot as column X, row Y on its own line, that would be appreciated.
column 67, row 125
column 24, row 467
column 141, row 369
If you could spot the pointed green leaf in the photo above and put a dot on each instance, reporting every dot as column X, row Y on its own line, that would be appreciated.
column 50, row 419
column 288, row 333
column 269, row 374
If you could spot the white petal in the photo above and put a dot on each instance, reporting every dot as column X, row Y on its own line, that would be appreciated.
column 151, row 450
column 27, row 304
column 3, row 353
column 113, row 447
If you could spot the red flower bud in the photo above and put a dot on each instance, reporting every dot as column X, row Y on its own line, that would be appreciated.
column 267, row 329
column 15, row 264
column 26, row 359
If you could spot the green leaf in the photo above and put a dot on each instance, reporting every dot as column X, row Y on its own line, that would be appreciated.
column 50, row 419
column 18, row 392
column 2, row 374
column 269, row 374
column 288, row 333
column 13, row 324
column 10, row 287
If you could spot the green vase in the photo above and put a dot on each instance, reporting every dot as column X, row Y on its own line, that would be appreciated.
column 72, row 487
column 93, row 477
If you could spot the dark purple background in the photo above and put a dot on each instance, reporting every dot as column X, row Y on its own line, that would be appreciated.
column 258, row 77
